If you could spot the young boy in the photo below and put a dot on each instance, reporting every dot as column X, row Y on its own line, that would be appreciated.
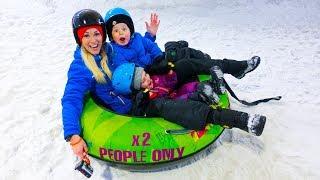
column 189, row 108
column 130, row 46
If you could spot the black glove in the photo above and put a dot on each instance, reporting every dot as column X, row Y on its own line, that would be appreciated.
column 160, row 66
column 176, row 50
column 140, row 100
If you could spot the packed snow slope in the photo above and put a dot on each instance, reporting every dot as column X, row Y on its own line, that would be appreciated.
column 37, row 47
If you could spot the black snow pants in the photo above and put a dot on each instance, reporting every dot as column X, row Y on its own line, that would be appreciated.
column 186, row 68
column 187, row 113
column 191, row 62
column 191, row 114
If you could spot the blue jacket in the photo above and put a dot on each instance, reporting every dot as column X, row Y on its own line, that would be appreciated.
column 140, row 50
column 80, row 82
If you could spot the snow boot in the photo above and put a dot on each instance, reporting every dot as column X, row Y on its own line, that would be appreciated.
column 205, row 93
column 256, row 124
column 252, row 64
column 217, row 80
column 253, row 124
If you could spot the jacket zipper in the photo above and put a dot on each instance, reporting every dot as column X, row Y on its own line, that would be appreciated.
column 112, row 93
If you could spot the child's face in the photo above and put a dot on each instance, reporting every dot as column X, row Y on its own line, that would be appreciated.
column 92, row 41
column 146, row 81
column 121, row 34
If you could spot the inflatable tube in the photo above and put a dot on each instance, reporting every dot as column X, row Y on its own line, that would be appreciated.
column 136, row 143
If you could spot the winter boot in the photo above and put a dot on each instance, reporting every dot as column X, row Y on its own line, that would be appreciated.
column 256, row 124
column 205, row 93
column 227, row 118
column 217, row 80
column 252, row 64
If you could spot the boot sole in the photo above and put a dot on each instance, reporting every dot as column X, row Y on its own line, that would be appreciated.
column 258, row 63
column 263, row 120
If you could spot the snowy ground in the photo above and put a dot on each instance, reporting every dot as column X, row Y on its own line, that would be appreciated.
column 37, row 45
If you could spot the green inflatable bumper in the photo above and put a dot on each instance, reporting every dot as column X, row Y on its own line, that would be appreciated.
column 138, row 142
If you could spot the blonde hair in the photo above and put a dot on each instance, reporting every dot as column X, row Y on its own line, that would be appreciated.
column 93, row 67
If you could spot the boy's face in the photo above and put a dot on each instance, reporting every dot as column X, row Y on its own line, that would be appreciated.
column 121, row 34
column 146, row 81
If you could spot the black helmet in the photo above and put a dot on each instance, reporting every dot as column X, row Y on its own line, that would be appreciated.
column 87, row 17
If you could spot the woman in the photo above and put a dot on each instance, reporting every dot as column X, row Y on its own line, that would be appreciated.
column 89, row 71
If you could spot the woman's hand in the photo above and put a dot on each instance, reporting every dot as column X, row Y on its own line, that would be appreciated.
column 79, row 147
column 153, row 26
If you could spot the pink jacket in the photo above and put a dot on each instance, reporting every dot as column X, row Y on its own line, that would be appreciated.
column 165, row 86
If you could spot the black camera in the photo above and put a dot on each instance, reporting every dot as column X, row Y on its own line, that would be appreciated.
column 84, row 168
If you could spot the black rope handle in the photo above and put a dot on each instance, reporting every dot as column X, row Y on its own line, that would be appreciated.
column 277, row 98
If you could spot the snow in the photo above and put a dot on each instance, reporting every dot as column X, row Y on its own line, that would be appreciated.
column 37, row 45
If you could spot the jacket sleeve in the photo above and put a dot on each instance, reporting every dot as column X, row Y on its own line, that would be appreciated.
column 150, row 37
column 170, row 80
column 78, row 84
column 152, row 49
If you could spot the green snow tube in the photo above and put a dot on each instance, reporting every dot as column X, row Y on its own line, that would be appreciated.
column 138, row 143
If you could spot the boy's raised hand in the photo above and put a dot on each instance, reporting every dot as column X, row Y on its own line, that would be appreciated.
column 153, row 26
